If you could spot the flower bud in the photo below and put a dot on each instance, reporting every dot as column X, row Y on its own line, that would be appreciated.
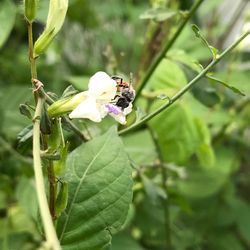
column 66, row 105
column 30, row 7
column 43, row 42
column 55, row 19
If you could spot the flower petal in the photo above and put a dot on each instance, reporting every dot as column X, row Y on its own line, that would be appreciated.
column 128, row 110
column 88, row 109
column 102, row 86
column 121, row 118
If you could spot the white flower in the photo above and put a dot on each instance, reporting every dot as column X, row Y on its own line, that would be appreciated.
column 100, row 101
column 118, row 114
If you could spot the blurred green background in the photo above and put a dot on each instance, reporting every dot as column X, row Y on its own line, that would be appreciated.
column 202, row 141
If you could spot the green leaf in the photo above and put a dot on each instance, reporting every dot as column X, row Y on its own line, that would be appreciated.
column 26, row 197
column 204, row 182
column 100, row 191
column 7, row 19
column 241, row 210
column 24, row 136
column 205, row 152
column 69, row 91
column 234, row 89
column 79, row 82
column 177, row 135
column 206, row 94
column 168, row 76
column 226, row 241
column 125, row 242
column 198, row 34
column 12, row 120
column 24, row 110
column 182, row 57
column 133, row 146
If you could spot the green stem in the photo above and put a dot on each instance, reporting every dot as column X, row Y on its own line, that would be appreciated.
column 167, row 47
column 165, row 201
column 186, row 88
column 49, row 229
column 50, row 233
column 31, row 49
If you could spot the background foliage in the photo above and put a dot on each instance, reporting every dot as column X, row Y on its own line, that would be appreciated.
column 201, row 143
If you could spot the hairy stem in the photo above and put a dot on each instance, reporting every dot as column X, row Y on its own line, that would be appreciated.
column 50, row 233
column 167, row 47
column 186, row 88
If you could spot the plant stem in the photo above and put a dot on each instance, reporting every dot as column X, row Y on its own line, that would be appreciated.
column 167, row 47
column 165, row 201
column 49, row 229
column 31, row 48
column 186, row 88
column 50, row 233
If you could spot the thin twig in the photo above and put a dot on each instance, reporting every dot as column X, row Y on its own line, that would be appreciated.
column 186, row 88
column 167, row 47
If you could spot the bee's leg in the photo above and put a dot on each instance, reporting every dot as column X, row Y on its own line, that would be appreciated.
column 114, row 100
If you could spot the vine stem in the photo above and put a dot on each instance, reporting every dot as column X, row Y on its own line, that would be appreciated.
column 167, row 47
column 50, row 233
column 49, row 229
column 186, row 88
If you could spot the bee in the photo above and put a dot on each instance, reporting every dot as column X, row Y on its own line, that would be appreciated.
column 126, row 93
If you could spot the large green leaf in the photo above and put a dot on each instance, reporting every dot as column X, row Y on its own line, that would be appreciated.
column 133, row 146
column 100, row 191
column 7, row 19
column 167, row 78
column 177, row 134
column 12, row 122
column 204, row 182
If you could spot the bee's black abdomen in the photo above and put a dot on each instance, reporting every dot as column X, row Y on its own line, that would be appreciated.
column 122, row 103
column 129, row 95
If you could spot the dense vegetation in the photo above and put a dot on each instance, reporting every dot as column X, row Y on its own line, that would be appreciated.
column 179, row 180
